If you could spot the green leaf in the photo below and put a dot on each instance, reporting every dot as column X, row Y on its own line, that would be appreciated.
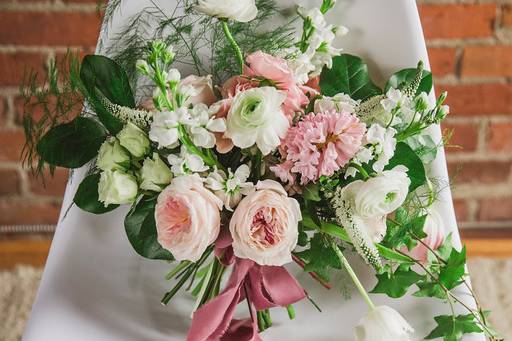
column 73, row 144
column 424, row 146
column 404, row 155
column 312, row 192
column 391, row 254
column 396, row 284
column 402, row 78
column 430, row 289
column 140, row 228
column 104, row 77
column 349, row 75
column 86, row 196
column 320, row 257
column 401, row 232
column 451, row 273
column 452, row 328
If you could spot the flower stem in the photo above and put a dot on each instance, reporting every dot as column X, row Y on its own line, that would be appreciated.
column 352, row 275
column 234, row 45
column 361, row 170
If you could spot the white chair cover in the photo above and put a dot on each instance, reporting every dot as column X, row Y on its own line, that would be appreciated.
column 95, row 287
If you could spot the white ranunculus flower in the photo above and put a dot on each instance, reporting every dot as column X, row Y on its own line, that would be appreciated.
column 238, row 10
column 112, row 156
column 164, row 128
column 256, row 117
column 230, row 188
column 340, row 103
column 186, row 162
column 117, row 187
column 383, row 324
column 155, row 174
column 134, row 140
column 384, row 143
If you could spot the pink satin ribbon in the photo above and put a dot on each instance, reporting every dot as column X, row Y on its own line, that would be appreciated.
column 266, row 286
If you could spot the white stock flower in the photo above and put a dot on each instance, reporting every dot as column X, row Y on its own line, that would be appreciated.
column 117, row 187
column 340, row 103
column 383, row 323
column 164, row 128
column 384, row 144
column 230, row 188
column 256, row 117
column 203, row 125
column 134, row 139
column 155, row 174
column 238, row 10
column 186, row 162
column 112, row 156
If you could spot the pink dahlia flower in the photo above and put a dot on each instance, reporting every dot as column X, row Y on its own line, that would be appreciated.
column 319, row 145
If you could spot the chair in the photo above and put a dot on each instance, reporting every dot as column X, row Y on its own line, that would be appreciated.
column 95, row 287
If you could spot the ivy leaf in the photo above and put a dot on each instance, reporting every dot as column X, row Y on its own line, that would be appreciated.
column 320, row 257
column 403, row 78
column 400, row 233
column 430, row 289
column 452, row 328
column 73, row 144
column 396, row 284
column 140, row 228
column 87, row 198
column 349, row 75
column 405, row 156
column 451, row 273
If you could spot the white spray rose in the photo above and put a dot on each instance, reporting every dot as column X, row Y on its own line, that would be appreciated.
column 383, row 324
column 117, row 187
column 155, row 174
column 134, row 140
column 112, row 156
column 256, row 117
column 238, row 10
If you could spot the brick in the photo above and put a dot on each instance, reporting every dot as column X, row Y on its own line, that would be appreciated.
column 9, row 182
column 499, row 137
column 50, row 186
column 14, row 212
column 479, row 99
column 461, row 210
column 453, row 21
column 12, row 144
column 442, row 60
column 464, row 137
column 479, row 172
column 506, row 19
column 14, row 66
column 487, row 61
column 495, row 209
column 35, row 28
column 3, row 111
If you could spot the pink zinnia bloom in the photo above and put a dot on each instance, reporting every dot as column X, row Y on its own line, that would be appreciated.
column 319, row 145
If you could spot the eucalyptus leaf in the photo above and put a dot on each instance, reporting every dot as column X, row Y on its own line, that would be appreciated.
column 405, row 156
column 349, row 75
column 140, row 228
column 402, row 78
column 87, row 198
column 73, row 144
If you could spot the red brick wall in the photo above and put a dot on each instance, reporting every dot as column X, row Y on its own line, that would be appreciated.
column 471, row 55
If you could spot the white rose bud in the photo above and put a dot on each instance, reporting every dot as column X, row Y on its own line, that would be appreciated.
column 155, row 174
column 112, row 156
column 117, row 187
column 238, row 10
column 134, row 140
column 383, row 324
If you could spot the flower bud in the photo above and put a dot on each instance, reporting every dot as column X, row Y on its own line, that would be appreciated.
column 155, row 174
column 143, row 66
column 134, row 139
column 112, row 156
column 117, row 187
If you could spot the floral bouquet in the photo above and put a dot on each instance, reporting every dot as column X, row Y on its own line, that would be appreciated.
column 295, row 156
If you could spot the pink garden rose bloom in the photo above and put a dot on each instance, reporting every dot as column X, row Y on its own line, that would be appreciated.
column 187, row 218
column 264, row 226
column 434, row 228
column 319, row 145
column 204, row 88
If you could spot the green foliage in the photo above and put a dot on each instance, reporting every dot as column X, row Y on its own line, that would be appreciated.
column 428, row 288
column 424, row 146
column 402, row 78
column 395, row 284
column 452, row 328
column 312, row 192
column 404, row 155
column 349, row 75
column 402, row 230
column 320, row 257
column 72, row 144
column 452, row 272
column 86, row 197
column 140, row 228
column 103, row 77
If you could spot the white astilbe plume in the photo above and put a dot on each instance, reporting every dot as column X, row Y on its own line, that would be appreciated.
column 356, row 230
